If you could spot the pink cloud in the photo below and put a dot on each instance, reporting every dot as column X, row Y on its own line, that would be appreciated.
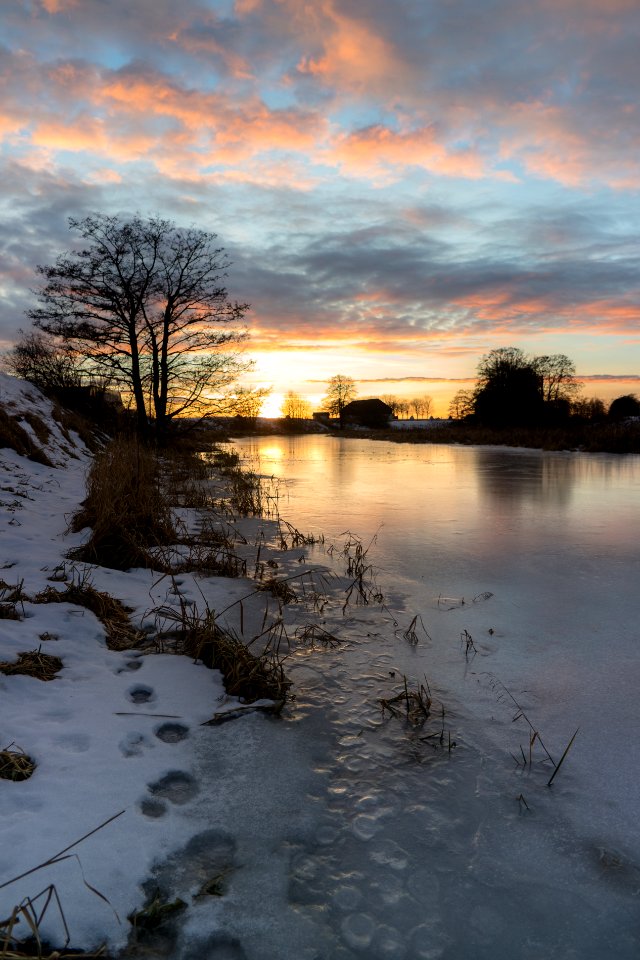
column 376, row 149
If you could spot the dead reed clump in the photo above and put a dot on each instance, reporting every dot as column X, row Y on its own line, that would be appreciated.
column 10, row 596
column 113, row 615
column 126, row 508
column 248, row 676
column 33, row 663
column 245, row 494
column 15, row 764
column 312, row 634
column 413, row 705
column 29, row 914
column 280, row 588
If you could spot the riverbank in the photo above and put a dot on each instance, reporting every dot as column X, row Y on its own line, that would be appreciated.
column 583, row 437
column 123, row 664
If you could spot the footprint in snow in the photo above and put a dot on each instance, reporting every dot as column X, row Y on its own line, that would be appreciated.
column 172, row 732
column 141, row 694
column 129, row 666
column 133, row 744
column 176, row 787
column 154, row 809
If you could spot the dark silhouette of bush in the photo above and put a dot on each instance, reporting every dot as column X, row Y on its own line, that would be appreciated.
column 623, row 407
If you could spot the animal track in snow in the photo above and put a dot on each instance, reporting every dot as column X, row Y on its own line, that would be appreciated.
column 130, row 666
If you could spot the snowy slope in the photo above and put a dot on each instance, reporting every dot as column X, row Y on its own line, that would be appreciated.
column 114, row 734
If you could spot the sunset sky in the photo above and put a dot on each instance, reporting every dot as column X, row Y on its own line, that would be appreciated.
column 402, row 185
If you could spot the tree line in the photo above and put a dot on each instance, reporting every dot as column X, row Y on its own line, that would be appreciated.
column 514, row 389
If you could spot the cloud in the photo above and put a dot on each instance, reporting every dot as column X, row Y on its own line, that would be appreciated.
column 419, row 175
column 374, row 150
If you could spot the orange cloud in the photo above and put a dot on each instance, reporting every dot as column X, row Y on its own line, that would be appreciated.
column 354, row 56
column 375, row 149
column 58, row 6
column 546, row 139
column 213, row 126
column 506, row 310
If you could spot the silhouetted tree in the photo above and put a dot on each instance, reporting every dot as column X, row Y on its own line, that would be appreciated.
column 143, row 301
column 509, row 389
column 558, row 374
column 420, row 407
column 340, row 391
column 49, row 365
column 295, row 407
column 461, row 404
column 246, row 402
column 623, row 407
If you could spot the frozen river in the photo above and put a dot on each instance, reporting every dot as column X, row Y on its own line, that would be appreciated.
column 524, row 570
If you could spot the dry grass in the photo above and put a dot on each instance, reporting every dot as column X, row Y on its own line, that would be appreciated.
column 246, row 675
column 10, row 596
column 33, row 663
column 39, row 427
column 71, row 420
column 15, row 764
column 29, row 914
column 245, row 494
column 125, row 507
column 413, row 705
column 113, row 615
column 15, row 437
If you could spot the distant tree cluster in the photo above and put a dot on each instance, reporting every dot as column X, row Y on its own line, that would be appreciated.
column 514, row 389
column 418, row 407
column 295, row 407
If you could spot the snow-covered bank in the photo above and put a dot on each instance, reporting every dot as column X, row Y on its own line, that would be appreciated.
column 116, row 734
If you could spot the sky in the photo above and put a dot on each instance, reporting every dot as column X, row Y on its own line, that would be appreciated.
column 401, row 185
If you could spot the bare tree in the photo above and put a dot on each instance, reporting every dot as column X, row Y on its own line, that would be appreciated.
column 461, row 405
column 143, row 301
column 295, row 407
column 49, row 365
column 558, row 374
column 341, row 390
column 246, row 402
column 420, row 407
column 393, row 402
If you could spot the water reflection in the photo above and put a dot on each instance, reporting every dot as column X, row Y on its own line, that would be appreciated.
column 513, row 480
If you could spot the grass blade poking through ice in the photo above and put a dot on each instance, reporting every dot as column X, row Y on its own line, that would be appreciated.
column 561, row 760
